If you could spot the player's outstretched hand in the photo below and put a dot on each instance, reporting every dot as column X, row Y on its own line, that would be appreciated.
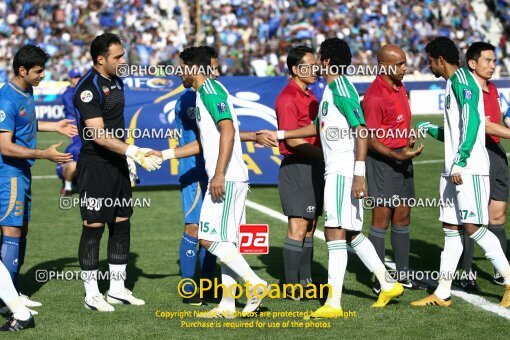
column 266, row 138
column 359, row 188
column 217, row 186
column 155, row 159
column 156, row 153
column 409, row 153
column 56, row 156
column 67, row 128
column 137, row 154
column 164, row 155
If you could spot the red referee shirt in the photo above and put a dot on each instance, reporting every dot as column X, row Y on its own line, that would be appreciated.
column 296, row 108
column 492, row 109
column 388, row 109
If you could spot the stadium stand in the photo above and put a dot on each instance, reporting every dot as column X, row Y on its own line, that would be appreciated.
column 253, row 37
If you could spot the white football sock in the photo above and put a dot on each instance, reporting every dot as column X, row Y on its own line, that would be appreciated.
column 68, row 185
column 450, row 257
column 493, row 252
column 366, row 252
column 10, row 296
column 228, row 278
column 117, row 275
column 89, row 278
column 227, row 253
column 337, row 264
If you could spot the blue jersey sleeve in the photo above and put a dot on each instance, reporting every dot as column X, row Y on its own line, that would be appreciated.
column 178, row 118
column 191, row 169
column 7, row 116
column 185, row 117
column 67, row 101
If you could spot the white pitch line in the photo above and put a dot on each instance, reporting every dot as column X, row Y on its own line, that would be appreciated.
column 278, row 215
column 483, row 303
column 469, row 298
column 430, row 161
column 52, row 141
column 435, row 161
column 45, row 177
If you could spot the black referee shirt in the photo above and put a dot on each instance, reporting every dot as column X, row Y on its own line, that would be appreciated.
column 95, row 96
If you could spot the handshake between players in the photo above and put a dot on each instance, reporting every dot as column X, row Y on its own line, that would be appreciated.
column 151, row 160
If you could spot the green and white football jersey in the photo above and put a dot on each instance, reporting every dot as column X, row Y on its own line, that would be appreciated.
column 213, row 105
column 464, row 125
column 339, row 113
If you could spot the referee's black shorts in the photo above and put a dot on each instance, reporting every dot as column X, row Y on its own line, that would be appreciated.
column 498, row 174
column 105, row 190
column 389, row 178
column 301, row 186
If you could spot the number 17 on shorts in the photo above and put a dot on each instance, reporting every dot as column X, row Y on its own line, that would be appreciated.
column 253, row 239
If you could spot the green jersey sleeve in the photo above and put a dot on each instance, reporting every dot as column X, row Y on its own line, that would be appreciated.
column 217, row 106
column 467, row 99
column 433, row 130
column 215, row 100
column 351, row 110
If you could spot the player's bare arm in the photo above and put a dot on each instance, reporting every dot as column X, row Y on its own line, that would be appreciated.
column 294, row 139
column 227, row 134
column 187, row 150
column 359, row 188
column 406, row 153
column 306, row 131
column 10, row 149
column 262, row 139
column 497, row 130
column 64, row 127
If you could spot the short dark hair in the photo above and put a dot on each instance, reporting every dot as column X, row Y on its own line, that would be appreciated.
column 475, row 50
column 196, row 56
column 29, row 56
column 337, row 51
column 443, row 47
column 211, row 51
column 296, row 55
column 101, row 44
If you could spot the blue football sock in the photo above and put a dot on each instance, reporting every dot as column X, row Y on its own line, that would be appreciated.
column 188, row 258
column 10, row 254
column 21, row 258
column 207, row 263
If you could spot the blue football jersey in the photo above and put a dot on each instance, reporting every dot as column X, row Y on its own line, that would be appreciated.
column 17, row 115
column 191, row 169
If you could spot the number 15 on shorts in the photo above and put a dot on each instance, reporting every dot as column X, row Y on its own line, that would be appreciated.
column 253, row 239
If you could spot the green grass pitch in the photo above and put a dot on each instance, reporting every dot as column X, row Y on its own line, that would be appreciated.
column 153, row 273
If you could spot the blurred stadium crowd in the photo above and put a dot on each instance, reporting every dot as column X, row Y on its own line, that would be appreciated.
column 253, row 37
